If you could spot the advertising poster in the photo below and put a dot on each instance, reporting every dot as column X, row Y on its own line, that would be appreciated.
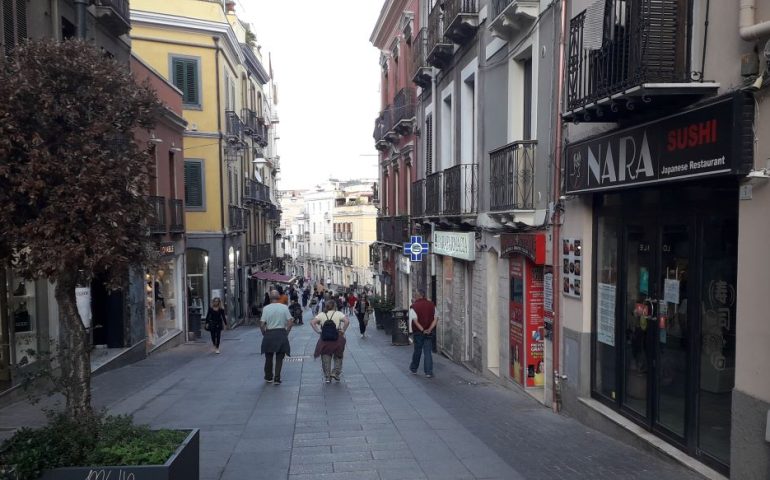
column 516, row 319
column 534, row 338
column 572, row 267
column 605, row 313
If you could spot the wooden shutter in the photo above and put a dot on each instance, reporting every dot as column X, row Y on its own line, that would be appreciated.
column 185, row 73
column 193, row 184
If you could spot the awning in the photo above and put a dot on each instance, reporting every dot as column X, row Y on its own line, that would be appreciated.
column 273, row 277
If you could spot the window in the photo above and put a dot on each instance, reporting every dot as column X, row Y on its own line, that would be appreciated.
column 14, row 23
column 186, row 76
column 193, row 185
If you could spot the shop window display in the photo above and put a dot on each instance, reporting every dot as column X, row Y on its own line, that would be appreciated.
column 23, row 319
column 162, row 301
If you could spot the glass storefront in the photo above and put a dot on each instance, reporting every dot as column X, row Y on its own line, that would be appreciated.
column 163, row 295
column 664, row 311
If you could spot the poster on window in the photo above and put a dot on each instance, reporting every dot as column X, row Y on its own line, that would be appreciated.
column 605, row 313
column 534, row 338
column 516, row 319
column 572, row 267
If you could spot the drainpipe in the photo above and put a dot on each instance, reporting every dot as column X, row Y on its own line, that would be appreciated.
column 221, row 173
column 748, row 28
column 557, row 214
column 55, row 20
column 80, row 13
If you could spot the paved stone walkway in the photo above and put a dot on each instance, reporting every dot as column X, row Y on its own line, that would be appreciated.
column 380, row 422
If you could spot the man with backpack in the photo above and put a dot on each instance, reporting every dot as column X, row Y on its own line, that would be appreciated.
column 331, row 325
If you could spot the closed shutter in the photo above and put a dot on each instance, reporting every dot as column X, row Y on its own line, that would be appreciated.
column 14, row 23
column 185, row 76
column 21, row 20
column 193, row 184
column 429, row 145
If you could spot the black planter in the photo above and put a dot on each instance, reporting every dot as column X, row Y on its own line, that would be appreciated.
column 182, row 465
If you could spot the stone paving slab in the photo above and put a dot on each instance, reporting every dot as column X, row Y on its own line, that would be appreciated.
column 379, row 423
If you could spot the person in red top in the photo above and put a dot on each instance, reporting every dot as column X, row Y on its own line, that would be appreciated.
column 424, row 328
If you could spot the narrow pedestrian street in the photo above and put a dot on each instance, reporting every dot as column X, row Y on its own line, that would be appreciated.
column 379, row 422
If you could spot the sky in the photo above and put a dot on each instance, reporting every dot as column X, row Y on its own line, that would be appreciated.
column 328, row 77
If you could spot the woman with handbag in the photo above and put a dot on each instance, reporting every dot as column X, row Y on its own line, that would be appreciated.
column 216, row 321
column 331, row 325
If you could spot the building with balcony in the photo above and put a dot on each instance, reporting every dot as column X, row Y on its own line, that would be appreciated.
column 661, row 324
column 231, row 161
column 166, row 315
column 294, row 234
column 117, row 324
column 397, row 36
column 355, row 229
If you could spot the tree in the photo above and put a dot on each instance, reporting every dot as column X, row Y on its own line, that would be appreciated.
column 73, row 181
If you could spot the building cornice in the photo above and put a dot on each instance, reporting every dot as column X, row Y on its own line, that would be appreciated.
column 386, row 22
column 176, row 22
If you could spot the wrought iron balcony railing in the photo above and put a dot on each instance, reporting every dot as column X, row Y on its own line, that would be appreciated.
column 237, row 216
column 433, row 194
column 403, row 110
column 420, row 71
column 461, row 19
column 259, row 253
column 461, row 189
column 439, row 48
column 158, row 219
column 512, row 176
column 176, row 215
column 233, row 127
column 393, row 230
column 417, row 196
column 249, row 120
column 641, row 54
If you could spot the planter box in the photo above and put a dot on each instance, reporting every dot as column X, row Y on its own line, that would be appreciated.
column 183, row 464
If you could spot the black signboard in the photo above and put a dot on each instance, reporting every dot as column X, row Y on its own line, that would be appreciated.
column 714, row 139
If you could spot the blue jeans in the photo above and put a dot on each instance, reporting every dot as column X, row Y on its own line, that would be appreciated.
column 423, row 344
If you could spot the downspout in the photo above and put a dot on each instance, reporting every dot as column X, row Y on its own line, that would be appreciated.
column 221, row 173
column 55, row 20
column 557, row 214
column 748, row 28
column 80, row 14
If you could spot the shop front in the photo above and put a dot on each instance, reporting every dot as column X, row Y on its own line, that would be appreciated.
column 665, row 235
column 165, row 296
column 526, row 255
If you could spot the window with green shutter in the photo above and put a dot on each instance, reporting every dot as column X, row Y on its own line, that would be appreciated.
column 193, row 184
column 186, row 79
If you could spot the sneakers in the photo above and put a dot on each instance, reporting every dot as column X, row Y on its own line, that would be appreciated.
column 428, row 375
column 216, row 351
column 269, row 381
column 336, row 378
column 413, row 372
column 328, row 379
column 277, row 381
column 363, row 335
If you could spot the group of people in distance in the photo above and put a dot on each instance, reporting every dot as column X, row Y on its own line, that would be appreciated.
column 282, row 310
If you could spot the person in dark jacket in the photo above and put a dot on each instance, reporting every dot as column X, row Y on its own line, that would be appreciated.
column 217, row 321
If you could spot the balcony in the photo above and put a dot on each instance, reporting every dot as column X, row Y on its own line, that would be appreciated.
column 433, row 194
column 403, row 111
column 511, row 18
column 258, row 253
column 249, row 118
column 461, row 19
column 439, row 48
column 273, row 214
column 512, row 175
column 348, row 236
column 157, row 220
column 306, row 236
column 233, row 127
column 383, row 133
column 418, row 199
column 421, row 71
column 260, row 134
column 461, row 190
column 175, row 215
column 237, row 216
column 393, row 230
column 114, row 14
column 638, row 64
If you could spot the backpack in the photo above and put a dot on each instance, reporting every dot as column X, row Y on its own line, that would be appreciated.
column 329, row 331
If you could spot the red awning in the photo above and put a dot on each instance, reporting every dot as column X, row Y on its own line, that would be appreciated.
column 273, row 277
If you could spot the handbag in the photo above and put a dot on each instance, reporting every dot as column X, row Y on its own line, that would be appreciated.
column 207, row 326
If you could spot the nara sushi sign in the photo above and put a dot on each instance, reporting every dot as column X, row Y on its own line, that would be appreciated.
column 714, row 139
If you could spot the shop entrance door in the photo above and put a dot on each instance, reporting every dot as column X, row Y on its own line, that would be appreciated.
column 656, row 357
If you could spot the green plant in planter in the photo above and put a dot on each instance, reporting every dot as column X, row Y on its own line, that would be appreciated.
column 382, row 304
column 95, row 439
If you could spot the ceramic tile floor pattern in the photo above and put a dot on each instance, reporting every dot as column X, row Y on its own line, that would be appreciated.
column 380, row 422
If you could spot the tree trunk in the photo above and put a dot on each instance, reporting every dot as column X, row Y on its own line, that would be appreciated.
column 74, row 347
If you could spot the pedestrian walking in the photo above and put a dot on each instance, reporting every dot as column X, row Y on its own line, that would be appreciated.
column 216, row 320
column 360, row 309
column 275, row 325
column 331, row 325
column 424, row 328
column 305, row 297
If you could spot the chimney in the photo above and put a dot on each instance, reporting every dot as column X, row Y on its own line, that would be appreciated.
column 230, row 6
